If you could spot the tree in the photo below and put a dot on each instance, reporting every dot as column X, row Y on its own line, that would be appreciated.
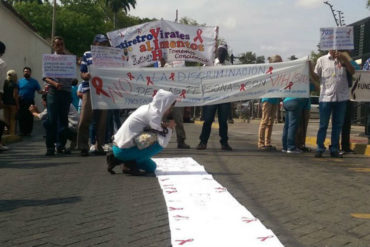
column 247, row 58
column 117, row 5
column 260, row 59
column 292, row 57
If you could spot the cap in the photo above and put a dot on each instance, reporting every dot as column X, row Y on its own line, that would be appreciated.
column 100, row 38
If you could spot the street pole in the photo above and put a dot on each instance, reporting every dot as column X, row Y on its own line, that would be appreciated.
column 53, row 22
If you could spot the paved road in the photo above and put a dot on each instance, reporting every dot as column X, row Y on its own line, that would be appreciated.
column 73, row 201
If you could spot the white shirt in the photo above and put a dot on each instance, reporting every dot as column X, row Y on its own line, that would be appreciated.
column 149, row 115
column 333, row 80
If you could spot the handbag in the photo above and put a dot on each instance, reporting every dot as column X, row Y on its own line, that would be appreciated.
column 148, row 137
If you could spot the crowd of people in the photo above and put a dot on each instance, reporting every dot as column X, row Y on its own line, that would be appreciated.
column 68, row 114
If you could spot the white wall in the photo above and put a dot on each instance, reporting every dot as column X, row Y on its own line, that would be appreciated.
column 24, row 47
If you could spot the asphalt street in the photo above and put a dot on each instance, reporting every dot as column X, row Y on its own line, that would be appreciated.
column 70, row 200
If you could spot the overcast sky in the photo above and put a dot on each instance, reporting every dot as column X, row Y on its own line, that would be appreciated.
column 266, row 27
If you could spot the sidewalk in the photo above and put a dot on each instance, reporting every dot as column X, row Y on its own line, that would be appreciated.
column 359, row 142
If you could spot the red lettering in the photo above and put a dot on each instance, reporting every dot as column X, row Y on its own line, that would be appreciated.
column 157, row 55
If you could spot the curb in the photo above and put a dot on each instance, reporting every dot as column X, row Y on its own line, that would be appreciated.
column 9, row 139
column 359, row 148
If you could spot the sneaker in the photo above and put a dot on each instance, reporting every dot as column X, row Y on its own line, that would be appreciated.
column 347, row 151
column 226, row 147
column 294, row 151
column 183, row 145
column 336, row 154
column 130, row 167
column 283, row 150
column 202, row 146
column 319, row 154
column 92, row 149
column 84, row 152
column 107, row 148
column 63, row 150
column 3, row 148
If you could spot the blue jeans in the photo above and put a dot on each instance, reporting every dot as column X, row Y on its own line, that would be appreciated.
column 142, row 157
column 209, row 112
column 293, row 110
column 338, row 109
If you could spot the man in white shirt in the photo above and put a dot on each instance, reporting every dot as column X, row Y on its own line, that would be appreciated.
column 331, row 70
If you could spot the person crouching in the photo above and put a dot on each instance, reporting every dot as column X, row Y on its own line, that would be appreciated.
column 137, row 160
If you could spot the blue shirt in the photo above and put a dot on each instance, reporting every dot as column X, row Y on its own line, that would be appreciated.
column 367, row 65
column 86, row 61
column 27, row 88
column 75, row 98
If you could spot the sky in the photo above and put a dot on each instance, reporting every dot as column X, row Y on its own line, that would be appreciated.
column 265, row 27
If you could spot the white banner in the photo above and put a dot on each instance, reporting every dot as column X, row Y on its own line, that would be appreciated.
column 147, row 43
column 122, row 88
column 360, row 90
column 336, row 38
column 201, row 212
column 58, row 66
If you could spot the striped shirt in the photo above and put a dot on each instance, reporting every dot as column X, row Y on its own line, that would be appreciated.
column 84, row 68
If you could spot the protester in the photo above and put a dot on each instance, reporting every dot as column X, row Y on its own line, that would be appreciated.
column 10, row 100
column 86, row 109
column 125, row 150
column 332, row 71
column 3, row 70
column 269, row 108
column 27, row 88
column 73, row 118
column 223, row 110
column 177, row 112
column 366, row 65
column 58, row 100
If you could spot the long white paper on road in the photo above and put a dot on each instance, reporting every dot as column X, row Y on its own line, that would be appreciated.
column 202, row 213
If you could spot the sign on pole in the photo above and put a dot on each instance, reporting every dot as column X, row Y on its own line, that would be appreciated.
column 336, row 38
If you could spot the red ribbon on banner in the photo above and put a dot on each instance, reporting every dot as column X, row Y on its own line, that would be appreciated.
column 182, row 242
column 269, row 71
column 154, row 92
column 183, row 93
column 263, row 239
column 149, row 81
column 289, row 86
column 242, row 87
column 173, row 209
column 130, row 76
column 97, row 83
column 199, row 36
column 172, row 76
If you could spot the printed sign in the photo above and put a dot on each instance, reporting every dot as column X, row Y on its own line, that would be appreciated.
column 336, row 38
column 58, row 66
column 360, row 90
column 147, row 43
column 120, row 88
column 108, row 57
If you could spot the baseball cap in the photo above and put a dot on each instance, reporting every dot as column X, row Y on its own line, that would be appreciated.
column 100, row 38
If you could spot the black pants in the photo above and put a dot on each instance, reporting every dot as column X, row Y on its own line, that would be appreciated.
column 346, row 129
column 25, row 117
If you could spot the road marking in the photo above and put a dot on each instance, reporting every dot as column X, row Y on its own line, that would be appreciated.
column 361, row 216
column 360, row 169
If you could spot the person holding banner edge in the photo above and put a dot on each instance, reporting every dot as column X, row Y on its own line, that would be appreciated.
column 331, row 70
column 210, row 111
column 86, row 109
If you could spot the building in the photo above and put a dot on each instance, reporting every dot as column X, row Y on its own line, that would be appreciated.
column 24, row 47
column 361, row 31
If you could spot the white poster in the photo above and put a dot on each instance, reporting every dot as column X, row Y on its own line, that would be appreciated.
column 58, row 66
column 336, row 38
column 122, row 88
column 360, row 90
column 147, row 43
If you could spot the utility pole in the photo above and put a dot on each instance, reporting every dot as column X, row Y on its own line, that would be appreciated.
column 332, row 11
column 53, row 22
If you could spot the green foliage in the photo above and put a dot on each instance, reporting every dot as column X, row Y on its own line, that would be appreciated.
column 247, row 57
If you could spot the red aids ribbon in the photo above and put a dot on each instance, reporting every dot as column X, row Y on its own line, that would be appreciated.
column 248, row 220
column 172, row 76
column 97, row 83
column 171, row 191
column 242, row 87
column 182, row 242
column 183, row 93
column 179, row 217
column 269, row 71
column 174, row 209
column 154, row 92
column 130, row 76
column 199, row 36
column 149, row 81
column 263, row 239
column 289, row 86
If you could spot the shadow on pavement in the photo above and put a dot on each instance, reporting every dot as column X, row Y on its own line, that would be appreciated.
column 29, row 165
column 8, row 205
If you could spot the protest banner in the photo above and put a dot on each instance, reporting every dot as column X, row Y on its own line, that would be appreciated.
column 360, row 90
column 147, row 43
column 120, row 88
column 58, row 66
column 336, row 38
